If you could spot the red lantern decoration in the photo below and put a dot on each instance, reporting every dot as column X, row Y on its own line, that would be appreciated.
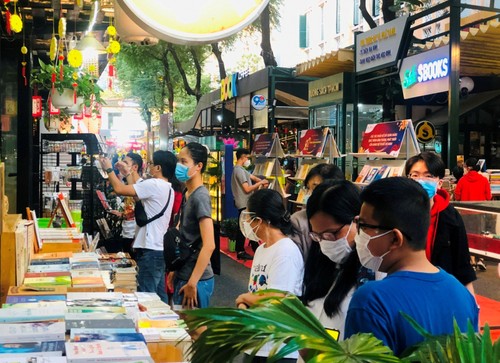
column 36, row 106
column 52, row 109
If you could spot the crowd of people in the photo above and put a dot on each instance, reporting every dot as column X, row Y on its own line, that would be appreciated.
column 356, row 258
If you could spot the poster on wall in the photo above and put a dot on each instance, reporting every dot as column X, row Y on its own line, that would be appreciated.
column 389, row 139
column 312, row 142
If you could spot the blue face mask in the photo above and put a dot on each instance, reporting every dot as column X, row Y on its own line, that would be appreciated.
column 429, row 185
column 182, row 172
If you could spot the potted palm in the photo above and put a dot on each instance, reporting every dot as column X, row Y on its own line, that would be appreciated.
column 230, row 228
column 285, row 323
column 69, row 87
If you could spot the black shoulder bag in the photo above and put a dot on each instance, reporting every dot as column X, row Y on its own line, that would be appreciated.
column 176, row 251
column 140, row 214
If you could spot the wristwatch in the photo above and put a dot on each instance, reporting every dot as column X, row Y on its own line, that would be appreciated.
column 109, row 170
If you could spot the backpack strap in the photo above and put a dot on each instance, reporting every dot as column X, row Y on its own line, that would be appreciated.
column 162, row 211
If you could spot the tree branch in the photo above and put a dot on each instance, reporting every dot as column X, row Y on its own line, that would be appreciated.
column 366, row 15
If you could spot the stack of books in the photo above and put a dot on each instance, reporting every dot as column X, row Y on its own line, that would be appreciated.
column 84, row 269
column 494, row 181
column 93, row 302
column 108, row 351
column 371, row 173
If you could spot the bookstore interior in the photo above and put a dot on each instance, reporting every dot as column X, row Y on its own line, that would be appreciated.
column 67, row 300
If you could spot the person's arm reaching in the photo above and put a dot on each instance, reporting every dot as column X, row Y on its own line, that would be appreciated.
column 118, row 186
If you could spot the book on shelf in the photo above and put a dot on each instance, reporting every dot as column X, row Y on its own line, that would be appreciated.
column 48, row 268
column 97, row 321
column 48, row 281
column 29, row 349
column 34, row 359
column 164, row 334
column 110, row 335
column 47, row 274
column 303, row 170
column 102, row 351
column 269, row 167
column 95, row 298
column 29, row 291
column 301, row 197
column 35, row 304
column 18, row 299
column 21, row 315
column 382, row 172
column 371, row 175
column 32, row 332
column 96, row 309
column 396, row 171
column 363, row 174
column 51, row 255
column 50, row 261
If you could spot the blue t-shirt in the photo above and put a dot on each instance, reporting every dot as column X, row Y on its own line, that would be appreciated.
column 432, row 299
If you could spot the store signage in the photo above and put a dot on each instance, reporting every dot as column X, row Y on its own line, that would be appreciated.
column 36, row 108
column 259, row 102
column 324, row 90
column 425, row 73
column 379, row 46
column 425, row 131
column 192, row 21
column 228, row 87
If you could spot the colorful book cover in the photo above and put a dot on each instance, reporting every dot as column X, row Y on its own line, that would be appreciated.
column 17, row 299
column 48, row 281
column 381, row 173
column 363, row 173
column 371, row 175
column 97, row 309
column 87, row 336
column 47, row 274
column 31, row 315
column 51, row 261
column 100, row 351
column 28, row 349
column 27, row 291
column 32, row 332
column 36, row 304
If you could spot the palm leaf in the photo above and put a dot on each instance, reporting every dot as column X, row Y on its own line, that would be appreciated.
column 283, row 322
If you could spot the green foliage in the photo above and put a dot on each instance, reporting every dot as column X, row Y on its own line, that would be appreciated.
column 231, row 227
column 278, row 321
column 469, row 347
column 86, row 84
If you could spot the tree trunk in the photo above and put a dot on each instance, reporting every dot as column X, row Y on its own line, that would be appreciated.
column 266, row 49
column 388, row 13
column 167, row 82
column 190, row 91
column 220, row 61
column 199, row 71
column 366, row 15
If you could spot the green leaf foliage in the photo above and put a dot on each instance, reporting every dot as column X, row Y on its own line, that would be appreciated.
column 283, row 322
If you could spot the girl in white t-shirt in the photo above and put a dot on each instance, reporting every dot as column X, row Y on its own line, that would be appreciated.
column 278, row 262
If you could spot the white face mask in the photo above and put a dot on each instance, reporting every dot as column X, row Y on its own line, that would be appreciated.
column 249, row 232
column 365, row 256
column 338, row 250
column 247, row 163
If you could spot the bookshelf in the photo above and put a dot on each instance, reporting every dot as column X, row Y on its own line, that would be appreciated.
column 315, row 146
column 266, row 152
column 385, row 147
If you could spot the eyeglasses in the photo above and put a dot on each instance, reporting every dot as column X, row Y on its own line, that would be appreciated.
column 418, row 175
column 328, row 235
column 361, row 225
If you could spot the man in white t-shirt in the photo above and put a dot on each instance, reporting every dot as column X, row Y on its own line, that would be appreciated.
column 154, row 194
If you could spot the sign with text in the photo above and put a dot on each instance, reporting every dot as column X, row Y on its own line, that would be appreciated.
column 425, row 73
column 267, row 145
column 312, row 142
column 379, row 46
column 387, row 138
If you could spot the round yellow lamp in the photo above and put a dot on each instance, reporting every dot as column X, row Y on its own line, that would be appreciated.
column 192, row 21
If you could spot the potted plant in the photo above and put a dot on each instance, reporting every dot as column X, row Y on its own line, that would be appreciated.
column 226, row 332
column 69, row 87
column 230, row 228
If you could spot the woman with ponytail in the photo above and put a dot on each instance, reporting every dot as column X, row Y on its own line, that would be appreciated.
column 278, row 262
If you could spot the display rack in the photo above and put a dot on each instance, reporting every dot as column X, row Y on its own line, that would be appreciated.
column 266, row 152
column 315, row 146
column 385, row 147
column 67, row 166
column 212, row 181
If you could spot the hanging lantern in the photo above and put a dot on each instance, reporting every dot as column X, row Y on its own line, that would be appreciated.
column 52, row 109
column 16, row 24
column 36, row 106
column 53, row 48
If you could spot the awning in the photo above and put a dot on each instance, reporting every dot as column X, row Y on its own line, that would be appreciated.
column 335, row 62
column 473, row 101
column 479, row 48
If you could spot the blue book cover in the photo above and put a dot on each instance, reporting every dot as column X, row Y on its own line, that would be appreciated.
column 25, row 349
column 17, row 299
column 109, row 336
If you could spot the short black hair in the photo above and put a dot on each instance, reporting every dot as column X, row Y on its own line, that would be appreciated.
column 268, row 205
column 434, row 163
column 199, row 153
column 400, row 203
column 472, row 163
column 137, row 160
column 325, row 171
column 167, row 161
column 241, row 151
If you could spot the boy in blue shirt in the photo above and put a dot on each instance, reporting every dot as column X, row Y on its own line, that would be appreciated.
column 391, row 237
